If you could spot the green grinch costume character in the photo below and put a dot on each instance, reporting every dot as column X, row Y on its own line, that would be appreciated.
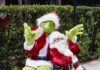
column 37, row 42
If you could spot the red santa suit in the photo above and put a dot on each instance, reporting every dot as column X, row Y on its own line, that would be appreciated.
column 62, row 52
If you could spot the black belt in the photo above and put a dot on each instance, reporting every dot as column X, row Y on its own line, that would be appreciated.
column 40, row 58
column 58, row 67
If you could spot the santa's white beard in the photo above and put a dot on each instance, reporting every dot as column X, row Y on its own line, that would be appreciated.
column 63, row 47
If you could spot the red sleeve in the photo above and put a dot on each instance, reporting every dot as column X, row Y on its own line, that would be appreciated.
column 34, row 28
column 59, row 58
column 74, row 48
column 39, row 43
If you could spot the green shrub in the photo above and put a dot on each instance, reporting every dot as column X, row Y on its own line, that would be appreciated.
column 11, row 38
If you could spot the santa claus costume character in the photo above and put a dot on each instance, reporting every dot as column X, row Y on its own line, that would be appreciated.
column 37, row 42
column 59, row 42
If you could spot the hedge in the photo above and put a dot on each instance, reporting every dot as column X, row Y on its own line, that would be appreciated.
column 11, row 36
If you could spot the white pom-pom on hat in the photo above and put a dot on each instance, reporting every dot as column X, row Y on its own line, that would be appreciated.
column 49, row 17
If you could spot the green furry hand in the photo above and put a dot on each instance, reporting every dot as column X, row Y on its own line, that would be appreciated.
column 77, row 30
column 29, row 34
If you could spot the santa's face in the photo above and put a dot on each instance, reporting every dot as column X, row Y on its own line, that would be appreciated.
column 60, row 43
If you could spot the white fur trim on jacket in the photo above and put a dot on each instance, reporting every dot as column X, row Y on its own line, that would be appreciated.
column 36, row 63
column 40, row 32
column 28, row 47
column 74, row 40
column 52, row 17
column 68, row 52
column 74, row 59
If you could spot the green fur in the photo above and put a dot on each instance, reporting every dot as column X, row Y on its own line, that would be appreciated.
column 48, row 26
column 77, row 30
column 28, row 68
column 42, row 67
column 29, row 34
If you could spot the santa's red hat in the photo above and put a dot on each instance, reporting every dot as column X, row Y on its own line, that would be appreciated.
column 49, row 17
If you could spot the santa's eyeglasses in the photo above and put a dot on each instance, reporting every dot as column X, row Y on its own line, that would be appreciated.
column 58, row 39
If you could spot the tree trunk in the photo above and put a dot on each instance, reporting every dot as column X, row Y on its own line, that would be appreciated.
column 59, row 2
column 27, row 2
column 20, row 2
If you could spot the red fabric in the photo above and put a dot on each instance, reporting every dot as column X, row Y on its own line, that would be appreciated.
column 74, row 48
column 39, row 44
column 34, row 28
column 76, row 65
column 60, row 59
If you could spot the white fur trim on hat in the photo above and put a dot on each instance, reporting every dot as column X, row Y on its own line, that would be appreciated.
column 52, row 17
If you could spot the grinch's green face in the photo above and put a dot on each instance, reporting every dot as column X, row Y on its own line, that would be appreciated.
column 48, row 26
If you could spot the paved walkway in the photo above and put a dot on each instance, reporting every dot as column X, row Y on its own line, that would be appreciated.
column 92, row 65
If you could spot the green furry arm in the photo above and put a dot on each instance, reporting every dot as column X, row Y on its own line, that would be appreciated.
column 29, row 34
column 77, row 30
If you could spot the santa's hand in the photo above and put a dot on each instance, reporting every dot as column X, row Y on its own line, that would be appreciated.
column 29, row 34
column 77, row 30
